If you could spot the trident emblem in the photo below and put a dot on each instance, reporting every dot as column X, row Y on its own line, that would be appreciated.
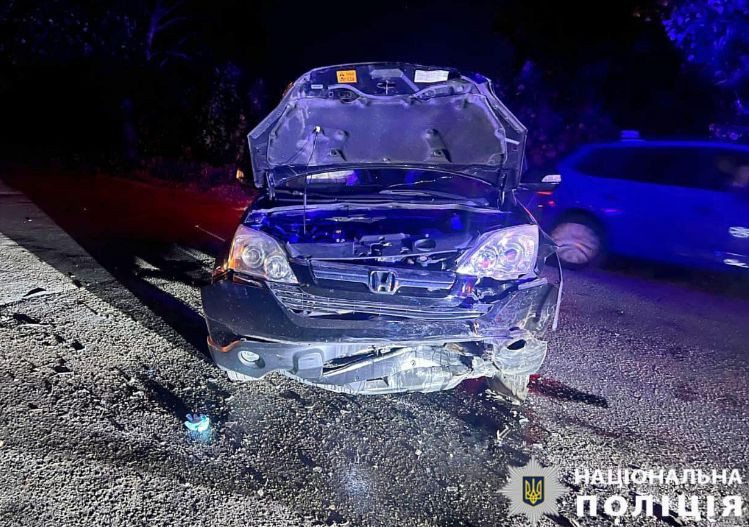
column 533, row 490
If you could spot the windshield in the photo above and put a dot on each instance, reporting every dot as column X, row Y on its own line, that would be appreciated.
column 394, row 184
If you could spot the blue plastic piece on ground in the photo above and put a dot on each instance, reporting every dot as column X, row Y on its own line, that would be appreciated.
column 199, row 426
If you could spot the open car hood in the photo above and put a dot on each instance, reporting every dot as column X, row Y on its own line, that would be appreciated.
column 389, row 115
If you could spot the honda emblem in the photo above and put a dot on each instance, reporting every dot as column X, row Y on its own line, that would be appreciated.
column 384, row 282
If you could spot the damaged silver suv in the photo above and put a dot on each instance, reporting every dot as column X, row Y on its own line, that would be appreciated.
column 386, row 252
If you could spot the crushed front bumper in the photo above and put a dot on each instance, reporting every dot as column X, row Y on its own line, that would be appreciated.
column 252, row 331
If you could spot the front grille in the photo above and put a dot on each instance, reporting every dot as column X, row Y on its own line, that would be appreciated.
column 407, row 278
column 299, row 301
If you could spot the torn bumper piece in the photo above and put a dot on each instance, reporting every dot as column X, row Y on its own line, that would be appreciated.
column 256, row 333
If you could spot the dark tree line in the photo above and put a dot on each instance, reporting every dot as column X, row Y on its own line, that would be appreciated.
column 119, row 84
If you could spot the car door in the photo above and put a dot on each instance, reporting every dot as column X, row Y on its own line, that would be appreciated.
column 726, row 199
column 628, row 189
column 681, row 202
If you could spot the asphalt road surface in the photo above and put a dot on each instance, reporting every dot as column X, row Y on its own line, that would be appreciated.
column 102, row 354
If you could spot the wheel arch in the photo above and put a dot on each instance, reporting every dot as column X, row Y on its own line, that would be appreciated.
column 581, row 214
column 586, row 217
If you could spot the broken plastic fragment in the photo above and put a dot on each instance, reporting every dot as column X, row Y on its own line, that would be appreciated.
column 198, row 422
column 199, row 426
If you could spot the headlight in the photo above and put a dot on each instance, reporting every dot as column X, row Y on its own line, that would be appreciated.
column 258, row 254
column 505, row 254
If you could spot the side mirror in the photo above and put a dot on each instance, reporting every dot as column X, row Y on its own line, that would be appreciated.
column 547, row 183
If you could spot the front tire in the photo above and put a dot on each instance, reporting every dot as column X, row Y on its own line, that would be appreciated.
column 580, row 243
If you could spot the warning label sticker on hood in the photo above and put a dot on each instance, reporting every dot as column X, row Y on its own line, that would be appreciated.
column 347, row 76
column 430, row 75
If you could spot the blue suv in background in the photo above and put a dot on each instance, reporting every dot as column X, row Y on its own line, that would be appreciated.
column 672, row 201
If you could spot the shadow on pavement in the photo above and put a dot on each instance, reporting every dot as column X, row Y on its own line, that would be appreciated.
column 159, row 264
column 114, row 265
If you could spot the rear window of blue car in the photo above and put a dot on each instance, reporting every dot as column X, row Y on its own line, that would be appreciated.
column 709, row 168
